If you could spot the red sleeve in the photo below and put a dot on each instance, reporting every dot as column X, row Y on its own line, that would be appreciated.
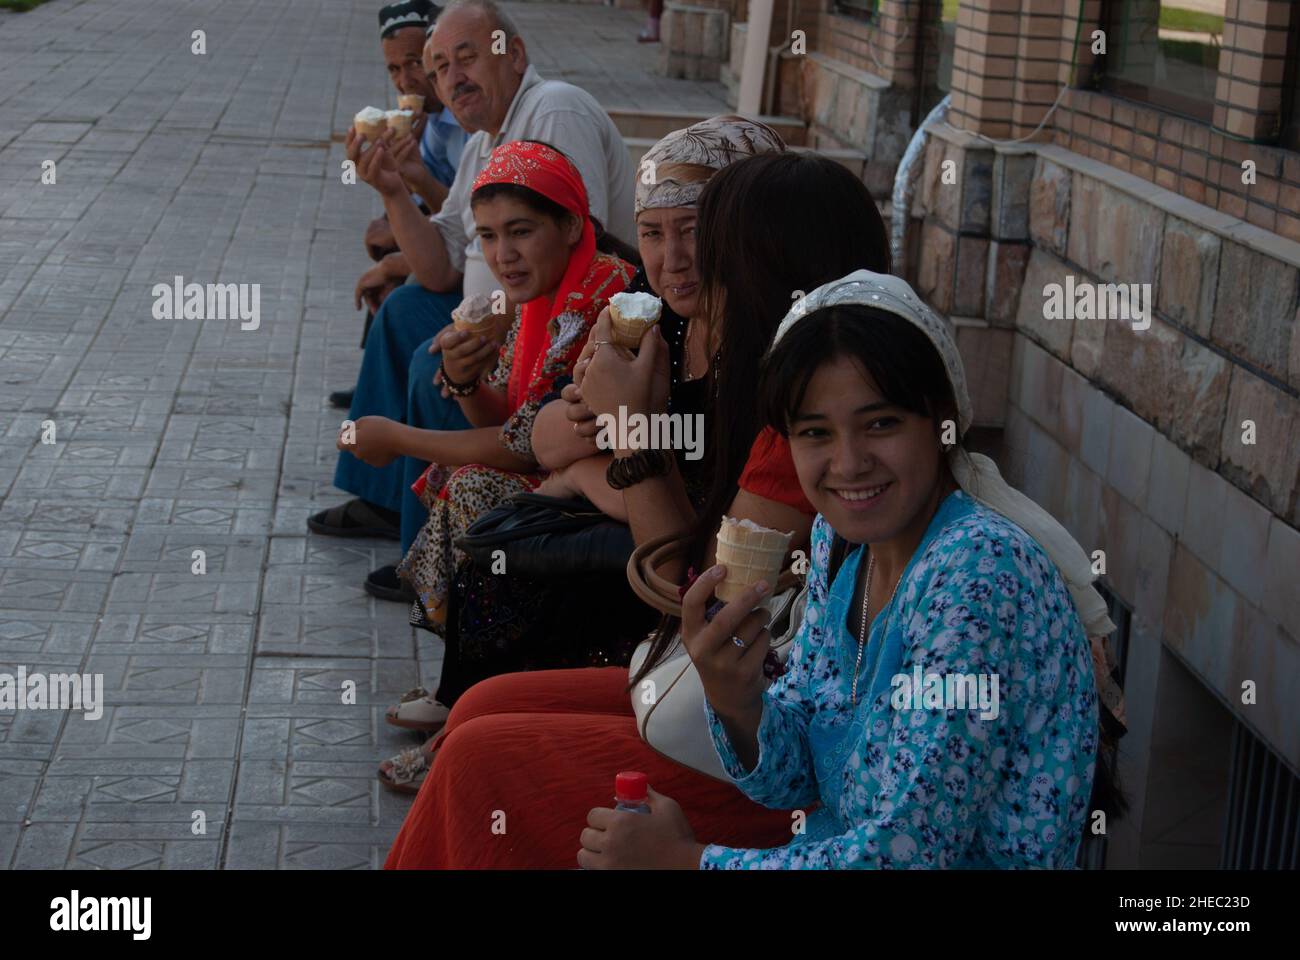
column 769, row 472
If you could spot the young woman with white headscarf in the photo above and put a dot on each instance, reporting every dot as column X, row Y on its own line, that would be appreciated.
column 947, row 574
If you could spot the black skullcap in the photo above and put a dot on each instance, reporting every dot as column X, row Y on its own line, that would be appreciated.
column 409, row 13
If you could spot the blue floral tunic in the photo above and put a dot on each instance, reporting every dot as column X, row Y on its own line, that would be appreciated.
column 923, row 787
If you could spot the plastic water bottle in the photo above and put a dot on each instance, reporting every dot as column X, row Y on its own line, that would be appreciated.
column 630, row 792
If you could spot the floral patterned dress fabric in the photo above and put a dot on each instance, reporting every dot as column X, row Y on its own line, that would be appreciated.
column 456, row 498
column 928, row 787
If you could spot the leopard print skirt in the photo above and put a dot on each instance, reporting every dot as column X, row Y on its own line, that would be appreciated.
column 453, row 505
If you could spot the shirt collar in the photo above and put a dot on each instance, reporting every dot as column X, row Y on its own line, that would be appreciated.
column 530, row 79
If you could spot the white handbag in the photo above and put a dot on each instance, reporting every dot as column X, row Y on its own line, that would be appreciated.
column 669, row 701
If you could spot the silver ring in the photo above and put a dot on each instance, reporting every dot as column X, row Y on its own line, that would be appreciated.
column 738, row 642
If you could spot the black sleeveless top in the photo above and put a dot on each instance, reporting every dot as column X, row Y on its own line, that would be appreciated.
column 685, row 397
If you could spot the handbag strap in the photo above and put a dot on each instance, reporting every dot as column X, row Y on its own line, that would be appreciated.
column 658, row 591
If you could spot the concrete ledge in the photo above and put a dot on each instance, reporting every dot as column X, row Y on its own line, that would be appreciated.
column 632, row 122
column 852, row 160
column 853, row 73
column 1207, row 218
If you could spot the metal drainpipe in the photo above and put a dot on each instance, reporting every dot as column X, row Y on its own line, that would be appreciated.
column 904, row 181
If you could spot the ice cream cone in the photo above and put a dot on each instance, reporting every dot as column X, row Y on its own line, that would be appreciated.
column 751, row 553
column 411, row 101
column 399, row 121
column 631, row 315
column 370, row 122
column 474, row 315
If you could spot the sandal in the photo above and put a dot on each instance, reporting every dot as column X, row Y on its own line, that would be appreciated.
column 417, row 710
column 356, row 518
column 406, row 771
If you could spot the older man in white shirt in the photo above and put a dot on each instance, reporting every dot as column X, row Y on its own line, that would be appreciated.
column 480, row 66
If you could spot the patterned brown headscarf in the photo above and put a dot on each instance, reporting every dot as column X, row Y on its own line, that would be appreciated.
column 674, row 171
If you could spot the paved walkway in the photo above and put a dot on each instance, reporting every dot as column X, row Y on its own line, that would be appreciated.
column 223, row 690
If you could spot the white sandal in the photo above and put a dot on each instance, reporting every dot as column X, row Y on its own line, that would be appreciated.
column 418, row 711
column 407, row 772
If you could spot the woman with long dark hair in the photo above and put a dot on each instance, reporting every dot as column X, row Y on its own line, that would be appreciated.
column 544, row 747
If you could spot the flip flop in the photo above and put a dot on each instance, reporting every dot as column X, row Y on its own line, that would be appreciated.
column 356, row 518
column 406, row 771
column 417, row 710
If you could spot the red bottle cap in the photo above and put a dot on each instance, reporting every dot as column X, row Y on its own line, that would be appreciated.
column 630, row 787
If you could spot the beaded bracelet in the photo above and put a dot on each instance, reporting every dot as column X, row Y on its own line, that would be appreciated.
column 454, row 388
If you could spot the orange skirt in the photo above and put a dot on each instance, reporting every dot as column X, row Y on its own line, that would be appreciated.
column 525, row 756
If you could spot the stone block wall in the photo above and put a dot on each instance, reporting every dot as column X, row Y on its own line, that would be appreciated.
column 1138, row 440
column 848, row 108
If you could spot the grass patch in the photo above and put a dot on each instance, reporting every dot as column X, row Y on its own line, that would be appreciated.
column 1174, row 18
column 22, row 6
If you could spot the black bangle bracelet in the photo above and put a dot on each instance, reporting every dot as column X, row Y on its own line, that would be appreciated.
column 624, row 472
column 454, row 388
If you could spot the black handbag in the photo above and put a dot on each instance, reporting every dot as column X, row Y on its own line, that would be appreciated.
column 548, row 537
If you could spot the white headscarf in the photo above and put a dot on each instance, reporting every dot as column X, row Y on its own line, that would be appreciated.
column 975, row 473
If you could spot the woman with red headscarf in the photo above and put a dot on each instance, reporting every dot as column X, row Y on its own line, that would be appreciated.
column 531, row 212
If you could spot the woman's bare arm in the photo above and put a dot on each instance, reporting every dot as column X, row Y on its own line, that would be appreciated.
column 554, row 442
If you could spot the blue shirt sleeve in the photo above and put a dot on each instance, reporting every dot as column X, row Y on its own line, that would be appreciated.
column 435, row 150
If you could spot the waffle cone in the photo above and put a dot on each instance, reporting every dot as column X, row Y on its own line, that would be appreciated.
column 372, row 129
column 750, row 556
column 411, row 101
column 484, row 326
column 400, row 125
column 628, row 331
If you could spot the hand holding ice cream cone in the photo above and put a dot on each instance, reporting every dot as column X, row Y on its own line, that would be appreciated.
column 750, row 553
column 631, row 315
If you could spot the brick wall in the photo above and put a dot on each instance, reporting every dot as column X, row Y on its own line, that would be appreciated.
column 1188, row 157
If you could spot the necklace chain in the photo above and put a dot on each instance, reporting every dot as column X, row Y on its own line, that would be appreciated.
column 862, row 625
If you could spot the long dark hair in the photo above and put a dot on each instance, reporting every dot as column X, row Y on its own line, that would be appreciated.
column 546, row 207
column 910, row 374
column 769, row 227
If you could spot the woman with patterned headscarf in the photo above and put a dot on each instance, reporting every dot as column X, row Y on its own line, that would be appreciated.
column 543, row 747
column 670, row 179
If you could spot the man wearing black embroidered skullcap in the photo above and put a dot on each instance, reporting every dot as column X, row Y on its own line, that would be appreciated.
column 427, row 160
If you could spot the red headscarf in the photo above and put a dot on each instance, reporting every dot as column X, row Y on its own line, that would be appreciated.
column 550, row 173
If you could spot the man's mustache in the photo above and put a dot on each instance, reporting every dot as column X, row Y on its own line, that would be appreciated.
column 462, row 89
